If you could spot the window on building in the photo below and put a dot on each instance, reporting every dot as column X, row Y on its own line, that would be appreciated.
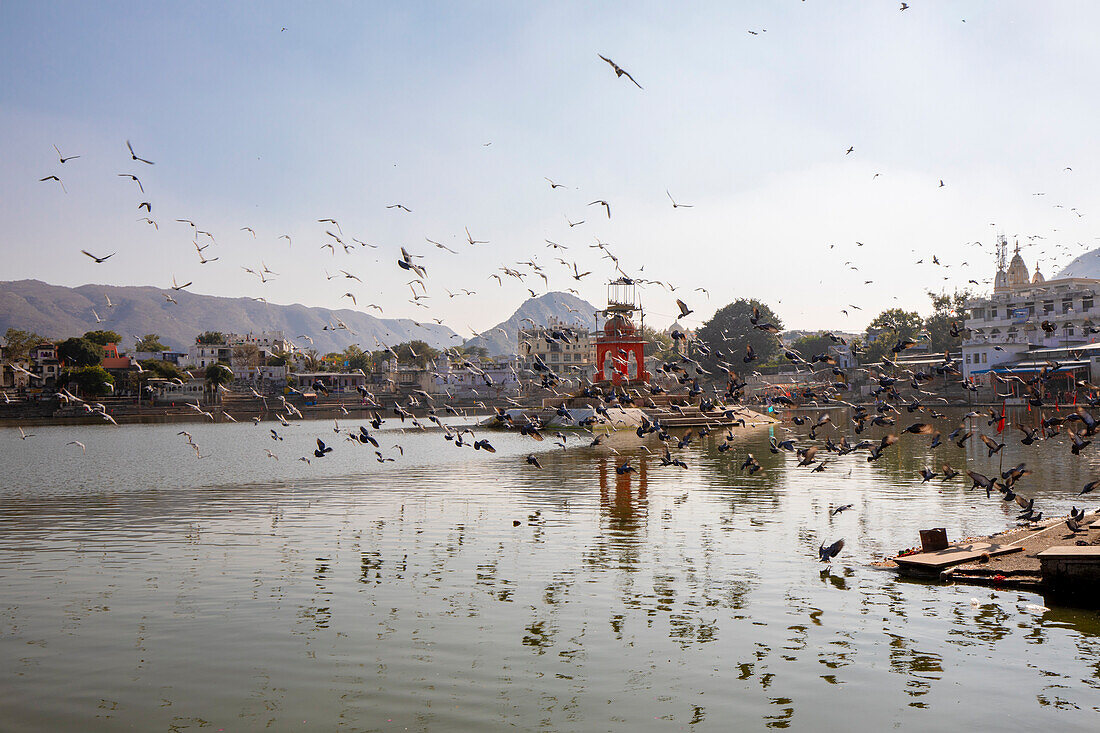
column 968, row 358
column 1086, row 304
column 1048, row 306
column 985, row 357
column 992, row 314
column 1067, row 306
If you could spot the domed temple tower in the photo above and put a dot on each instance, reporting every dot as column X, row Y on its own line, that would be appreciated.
column 1018, row 276
column 620, row 348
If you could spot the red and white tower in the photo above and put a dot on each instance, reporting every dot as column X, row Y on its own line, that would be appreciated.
column 620, row 348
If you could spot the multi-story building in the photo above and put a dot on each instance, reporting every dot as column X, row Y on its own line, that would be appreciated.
column 44, row 363
column 204, row 355
column 476, row 380
column 565, row 348
column 252, row 367
column 1025, row 313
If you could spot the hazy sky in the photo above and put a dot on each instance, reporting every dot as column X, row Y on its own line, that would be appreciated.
column 355, row 106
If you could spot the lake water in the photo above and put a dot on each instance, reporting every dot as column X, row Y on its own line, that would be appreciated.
column 142, row 587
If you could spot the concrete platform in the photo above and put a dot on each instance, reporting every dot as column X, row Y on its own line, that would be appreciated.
column 932, row 563
column 1076, row 552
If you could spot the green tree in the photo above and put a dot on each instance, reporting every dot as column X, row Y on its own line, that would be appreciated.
column 92, row 381
column 151, row 369
column 103, row 337
column 18, row 343
column 79, row 352
column 886, row 330
column 946, row 309
column 161, row 368
column 730, row 331
column 355, row 358
column 150, row 342
column 415, row 352
column 658, row 345
column 812, row 345
column 210, row 338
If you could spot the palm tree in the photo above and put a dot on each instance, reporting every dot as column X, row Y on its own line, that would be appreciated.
column 217, row 375
column 312, row 361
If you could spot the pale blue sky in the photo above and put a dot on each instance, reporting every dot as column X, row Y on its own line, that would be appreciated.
column 360, row 105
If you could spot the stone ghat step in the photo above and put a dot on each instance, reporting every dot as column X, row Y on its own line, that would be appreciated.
column 1018, row 581
column 930, row 563
column 695, row 418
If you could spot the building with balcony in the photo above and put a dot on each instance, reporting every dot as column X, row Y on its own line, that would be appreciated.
column 1025, row 312
column 44, row 364
column 565, row 348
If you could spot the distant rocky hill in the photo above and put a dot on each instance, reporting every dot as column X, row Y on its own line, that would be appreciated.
column 60, row 312
column 500, row 340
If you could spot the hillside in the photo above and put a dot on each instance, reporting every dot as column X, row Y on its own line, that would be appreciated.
column 60, row 312
column 500, row 340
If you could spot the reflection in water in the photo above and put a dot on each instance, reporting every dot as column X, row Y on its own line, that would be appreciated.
column 624, row 508
column 455, row 590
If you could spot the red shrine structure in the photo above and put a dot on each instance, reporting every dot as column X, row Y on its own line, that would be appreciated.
column 620, row 348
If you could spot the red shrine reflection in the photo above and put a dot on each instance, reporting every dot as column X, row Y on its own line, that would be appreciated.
column 623, row 495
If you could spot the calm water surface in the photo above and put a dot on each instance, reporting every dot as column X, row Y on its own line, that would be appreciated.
column 141, row 587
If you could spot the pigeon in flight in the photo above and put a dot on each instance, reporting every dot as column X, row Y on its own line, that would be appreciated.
column 620, row 71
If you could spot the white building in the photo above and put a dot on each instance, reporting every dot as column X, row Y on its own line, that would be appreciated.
column 563, row 347
column 476, row 379
column 1026, row 313
column 193, row 390
column 268, row 343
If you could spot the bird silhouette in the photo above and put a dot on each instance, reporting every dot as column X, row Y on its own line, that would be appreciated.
column 99, row 259
column 55, row 178
column 63, row 158
column 826, row 554
column 134, row 156
column 619, row 71
column 602, row 203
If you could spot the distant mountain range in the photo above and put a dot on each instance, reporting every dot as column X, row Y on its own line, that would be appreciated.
column 501, row 339
column 59, row 312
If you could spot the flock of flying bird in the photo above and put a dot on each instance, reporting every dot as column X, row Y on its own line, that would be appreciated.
column 889, row 401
